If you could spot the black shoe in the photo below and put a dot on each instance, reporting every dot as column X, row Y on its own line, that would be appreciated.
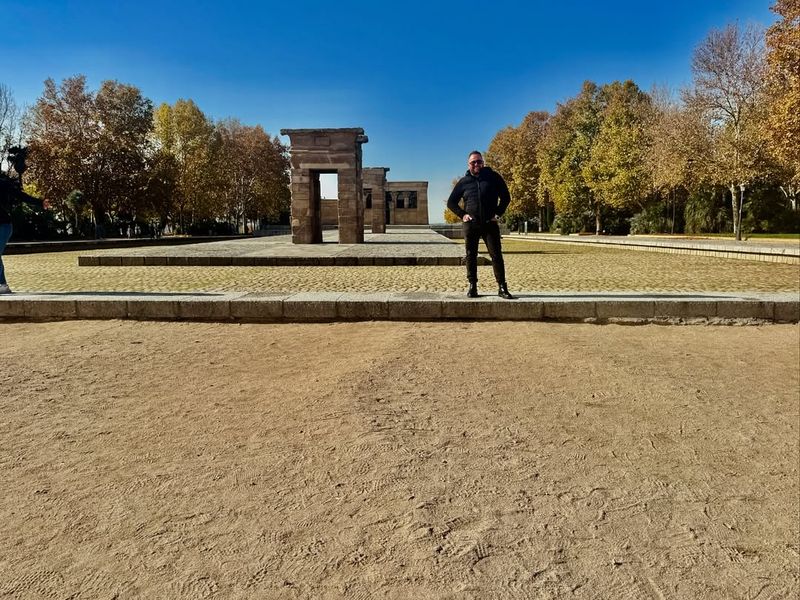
column 503, row 292
column 472, row 292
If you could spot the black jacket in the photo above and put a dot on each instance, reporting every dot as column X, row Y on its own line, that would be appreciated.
column 11, row 194
column 485, row 196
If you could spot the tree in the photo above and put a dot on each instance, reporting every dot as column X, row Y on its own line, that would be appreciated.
column 61, row 134
column 502, row 150
column 501, row 155
column 185, row 133
column 783, row 80
column 565, row 149
column 667, row 159
column 96, row 143
column 125, row 119
column 254, row 173
column 160, row 190
column 449, row 215
column 512, row 153
column 526, row 172
column 75, row 202
column 728, row 98
column 9, row 115
column 616, row 170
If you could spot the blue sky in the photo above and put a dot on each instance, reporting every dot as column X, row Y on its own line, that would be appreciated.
column 428, row 81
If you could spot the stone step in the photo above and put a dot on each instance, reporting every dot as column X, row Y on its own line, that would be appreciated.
column 336, row 306
column 273, row 261
column 786, row 252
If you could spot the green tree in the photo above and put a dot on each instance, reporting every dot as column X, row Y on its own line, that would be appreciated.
column 616, row 170
column 183, row 132
column 564, row 151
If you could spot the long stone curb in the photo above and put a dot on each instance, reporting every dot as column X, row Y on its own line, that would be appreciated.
column 105, row 244
column 272, row 261
column 412, row 306
column 788, row 254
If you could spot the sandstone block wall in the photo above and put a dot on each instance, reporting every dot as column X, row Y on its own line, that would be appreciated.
column 317, row 151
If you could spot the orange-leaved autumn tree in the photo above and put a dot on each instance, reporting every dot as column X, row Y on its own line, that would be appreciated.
column 93, row 142
column 783, row 81
column 253, row 173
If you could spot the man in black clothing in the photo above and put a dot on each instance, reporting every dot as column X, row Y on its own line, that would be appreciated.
column 11, row 194
column 486, row 198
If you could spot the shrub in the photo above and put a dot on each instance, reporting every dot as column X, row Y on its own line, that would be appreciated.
column 650, row 220
column 708, row 211
column 767, row 210
column 566, row 223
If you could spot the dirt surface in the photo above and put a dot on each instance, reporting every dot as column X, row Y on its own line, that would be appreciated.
column 398, row 460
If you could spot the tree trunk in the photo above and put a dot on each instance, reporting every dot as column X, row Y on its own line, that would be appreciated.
column 99, row 223
column 741, row 207
column 737, row 226
column 791, row 192
column 672, row 225
column 597, row 223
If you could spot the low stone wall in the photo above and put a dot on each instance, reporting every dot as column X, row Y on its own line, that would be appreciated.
column 79, row 245
column 455, row 231
column 784, row 253
column 419, row 306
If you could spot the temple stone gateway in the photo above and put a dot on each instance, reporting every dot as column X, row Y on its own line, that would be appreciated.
column 374, row 196
column 318, row 151
column 406, row 203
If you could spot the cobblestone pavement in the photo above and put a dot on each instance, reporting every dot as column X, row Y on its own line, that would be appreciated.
column 530, row 266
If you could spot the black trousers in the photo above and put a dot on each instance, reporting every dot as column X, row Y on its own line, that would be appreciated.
column 490, row 233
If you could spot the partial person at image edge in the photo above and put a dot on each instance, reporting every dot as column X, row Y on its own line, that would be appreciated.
column 11, row 194
column 486, row 198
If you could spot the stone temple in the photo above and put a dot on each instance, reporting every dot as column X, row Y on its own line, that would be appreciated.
column 365, row 197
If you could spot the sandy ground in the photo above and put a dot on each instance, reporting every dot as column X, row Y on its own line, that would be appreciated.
column 398, row 460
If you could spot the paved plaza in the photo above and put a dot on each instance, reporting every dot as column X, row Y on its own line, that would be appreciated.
column 559, row 281
column 401, row 247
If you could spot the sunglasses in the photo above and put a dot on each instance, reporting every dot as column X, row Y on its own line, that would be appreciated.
column 476, row 162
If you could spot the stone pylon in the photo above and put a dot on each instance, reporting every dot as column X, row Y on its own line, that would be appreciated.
column 375, row 182
column 317, row 151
